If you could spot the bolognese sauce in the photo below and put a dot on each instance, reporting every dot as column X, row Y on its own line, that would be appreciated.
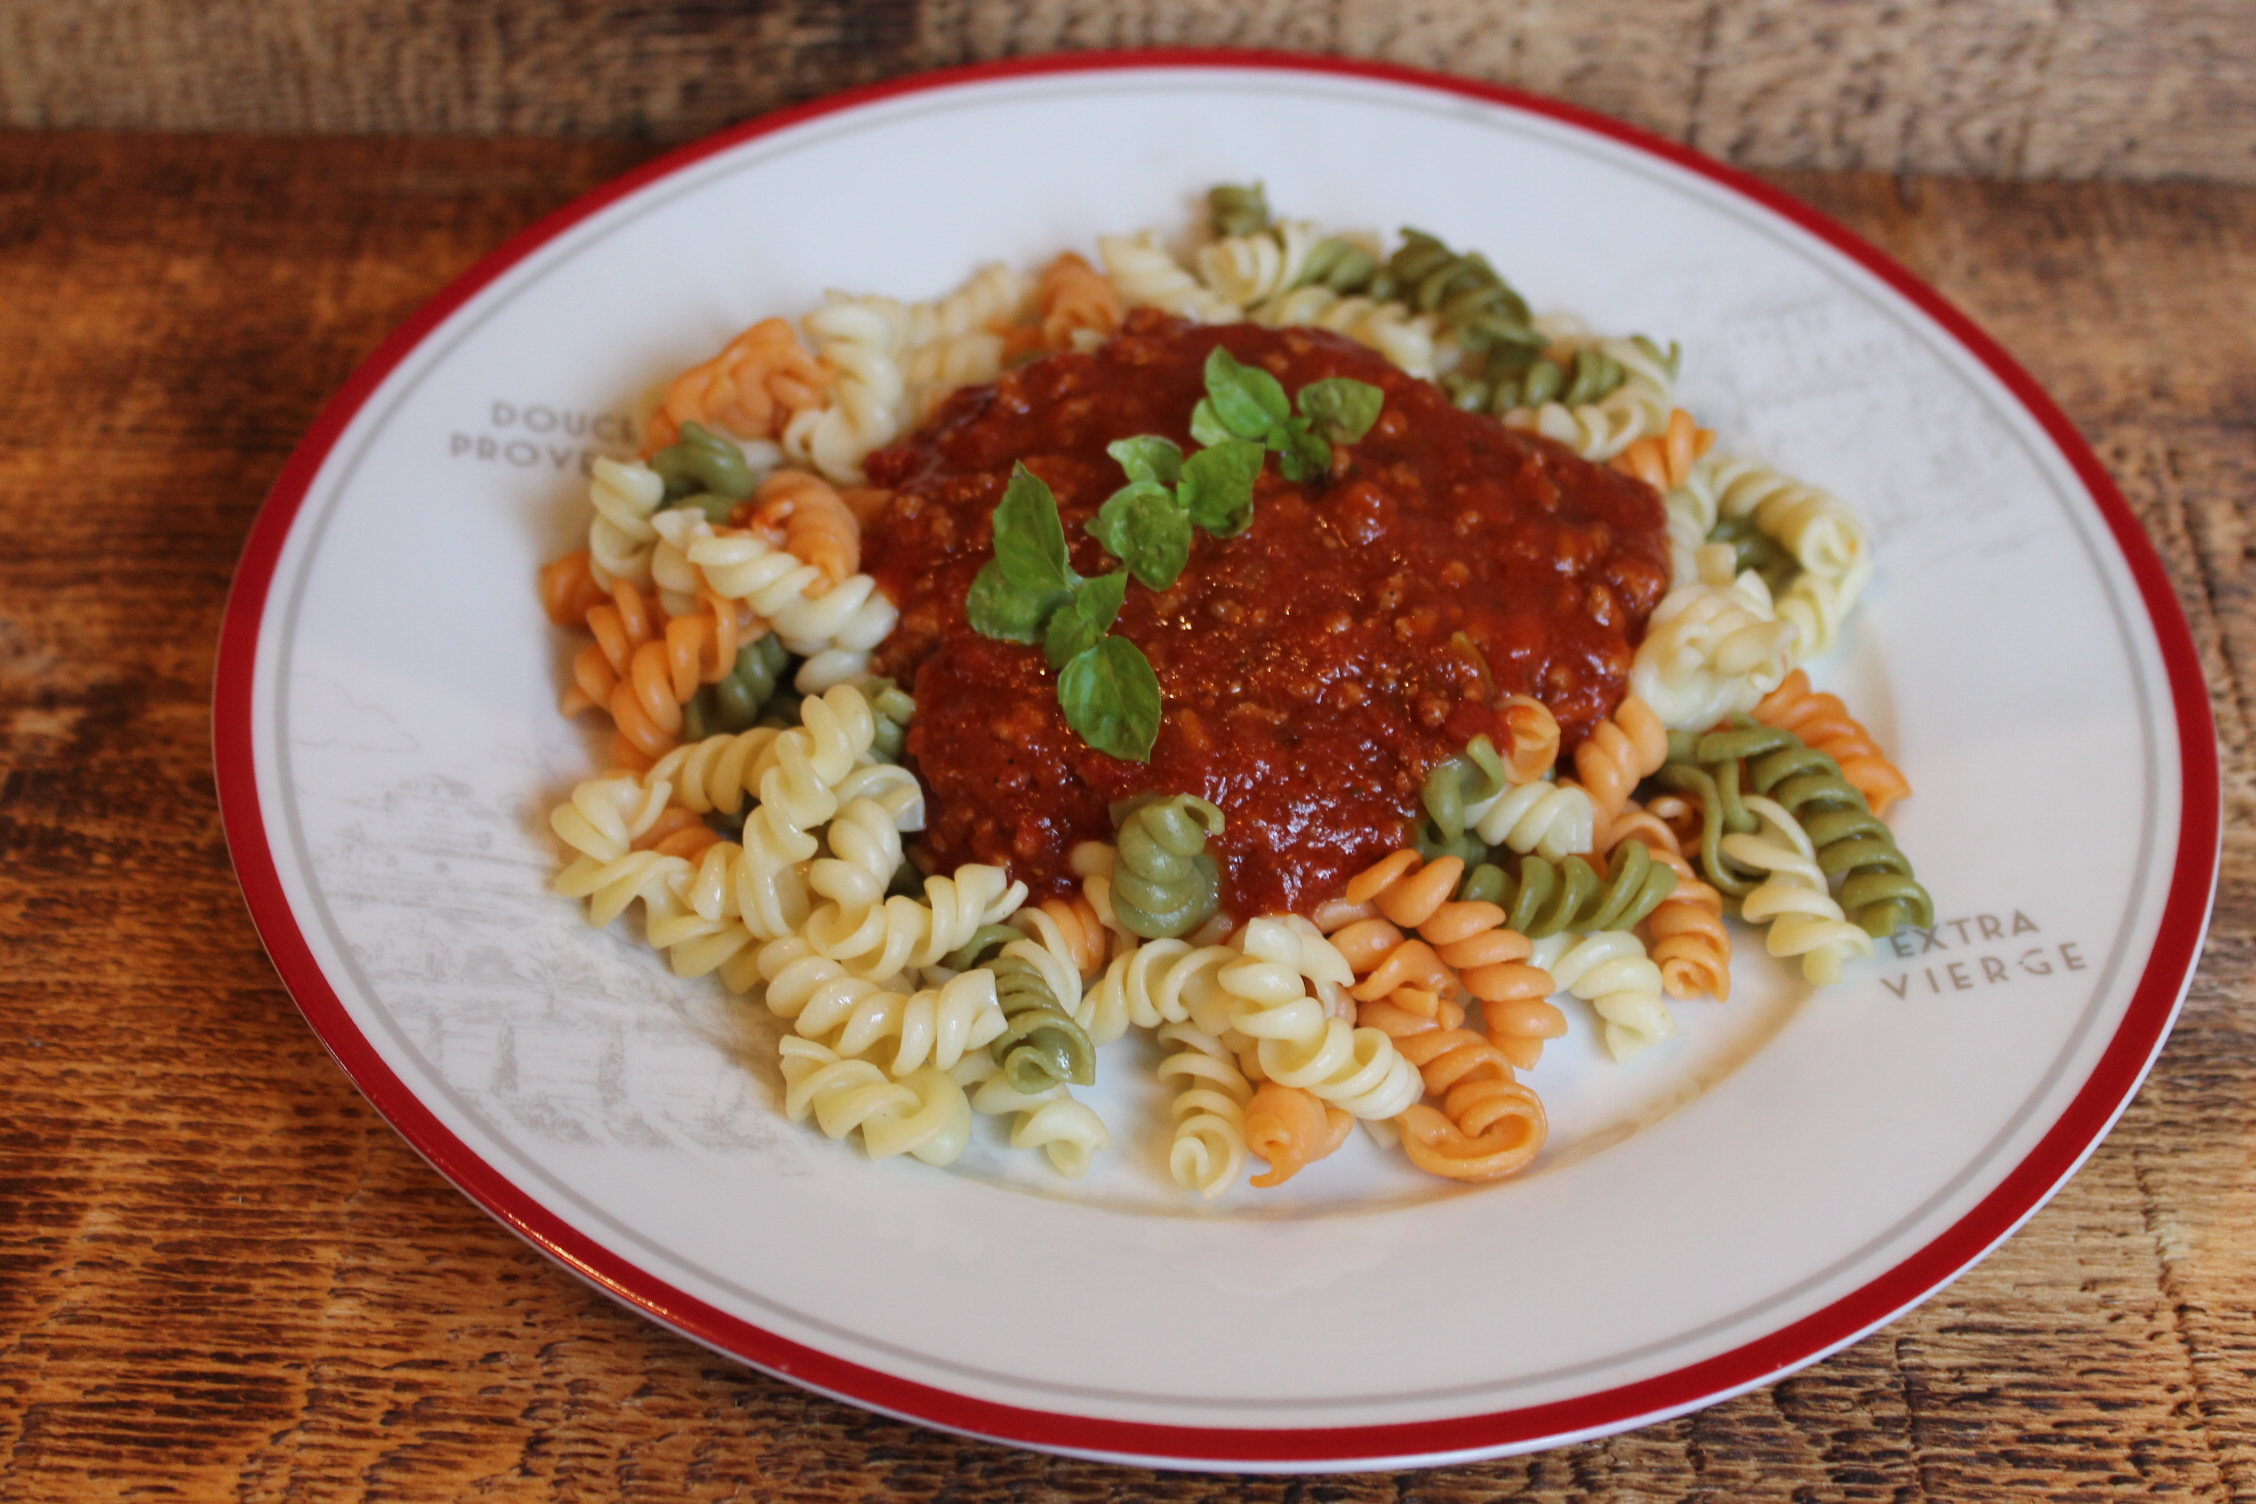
column 1314, row 667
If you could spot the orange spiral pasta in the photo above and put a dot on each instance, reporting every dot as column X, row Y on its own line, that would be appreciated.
column 812, row 520
column 1291, row 1129
column 569, row 589
column 1825, row 723
column 1688, row 940
column 1664, row 460
column 1621, row 751
column 1534, row 735
column 1489, row 1124
column 643, row 666
column 748, row 391
column 1080, row 933
column 1078, row 306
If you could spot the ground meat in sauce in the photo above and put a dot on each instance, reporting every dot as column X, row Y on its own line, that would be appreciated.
column 1314, row 667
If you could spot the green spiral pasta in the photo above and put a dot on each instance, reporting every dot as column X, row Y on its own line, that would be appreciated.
column 1164, row 884
column 1040, row 1046
column 1548, row 898
column 1341, row 265
column 701, row 469
column 734, row 702
column 1757, row 550
column 1235, row 210
column 1463, row 292
column 1853, row 846
column 1475, row 776
column 892, row 707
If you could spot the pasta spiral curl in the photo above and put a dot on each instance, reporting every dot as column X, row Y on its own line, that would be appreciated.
column 1245, row 269
column 884, row 939
column 1542, row 899
column 1490, row 1124
column 1853, row 844
column 600, row 822
column 1816, row 527
column 1620, row 752
column 1685, row 934
column 748, row 391
column 1403, row 337
column 1554, row 820
column 1636, row 409
column 621, row 537
column 1146, row 276
column 1163, row 882
column 1159, row 982
column 1208, row 1150
column 1291, row 1129
column 1824, row 723
column 1710, row 652
column 833, row 627
column 1611, row 972
column 1804, row 920
column 924, row 1114
column 1078, row 308
column 935, row 1025
column 1069, row 1133
column 1299, row 1043
column 817, row 528
column 1664, row 460
column 859, row 340
column 1041, row 1045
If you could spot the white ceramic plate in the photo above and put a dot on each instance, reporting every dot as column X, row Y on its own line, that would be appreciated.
column 1791, row 1172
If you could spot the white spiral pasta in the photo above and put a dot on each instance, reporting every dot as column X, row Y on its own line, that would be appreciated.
column 833, row 626
column 931, row 372
column 600, row 822
column 1599, row 430
column 621, row 537
column 1610, row 971
column 858, row 341
column 864, row 847
column 1298, row 1041
column 1403, row 337
column 1794, row 899
column 1553, row 820
column 1816, row 527
column 1158, row 982
column 931, row 1026
column 1244, row 269
column 1711, row 652
column 924, row 1114
column 1147, row 276
column 884, row 939
column 1067, row 1131
column 1208, row 1150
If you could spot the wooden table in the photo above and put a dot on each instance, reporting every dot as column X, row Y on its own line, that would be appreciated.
column 222, row 1276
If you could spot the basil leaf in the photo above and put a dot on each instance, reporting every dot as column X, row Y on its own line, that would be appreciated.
column 1111, row 698
column 1207, row 428
column 1029, row 538
column 1001, row 610
column 1148, row 457
column 1302, row 453
column 1082, row 623
column 1340, row 408
column 1217, row 486
column 1143, row 526
column 1246, row 399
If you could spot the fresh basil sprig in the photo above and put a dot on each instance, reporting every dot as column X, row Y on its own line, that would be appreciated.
column 1247, row 403
column 1029, row 593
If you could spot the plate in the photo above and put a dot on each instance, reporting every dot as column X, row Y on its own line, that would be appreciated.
column 1792, row 1171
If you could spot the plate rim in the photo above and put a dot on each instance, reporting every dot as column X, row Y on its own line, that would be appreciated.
column 2105, row 1093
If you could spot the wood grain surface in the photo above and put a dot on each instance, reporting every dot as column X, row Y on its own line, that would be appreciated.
column 223, row 1277
column 2003, row 88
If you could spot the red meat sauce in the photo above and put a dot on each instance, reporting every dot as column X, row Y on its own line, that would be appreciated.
column 1314, row 667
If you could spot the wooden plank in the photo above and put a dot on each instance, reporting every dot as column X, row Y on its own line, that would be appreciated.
column 2016, row 88
column 222, row 1276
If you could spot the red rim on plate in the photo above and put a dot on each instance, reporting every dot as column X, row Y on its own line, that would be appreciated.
column 2105, row 1093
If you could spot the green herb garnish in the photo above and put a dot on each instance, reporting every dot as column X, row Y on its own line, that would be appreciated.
column 1246, row 402
column 1029, row 593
